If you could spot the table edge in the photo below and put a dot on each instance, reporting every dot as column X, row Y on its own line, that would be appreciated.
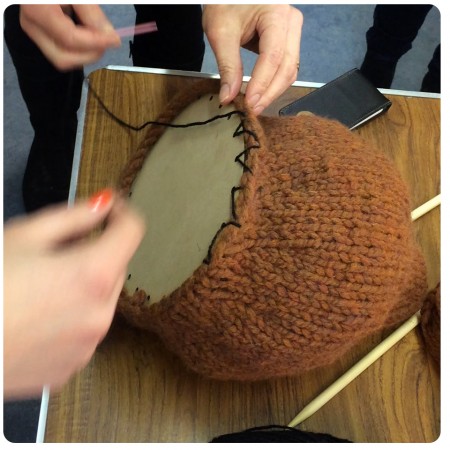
column 43, row 413
column 82, row 109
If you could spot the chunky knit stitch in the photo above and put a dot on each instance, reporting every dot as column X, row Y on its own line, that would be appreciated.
column 324, row 256
column 430, row 324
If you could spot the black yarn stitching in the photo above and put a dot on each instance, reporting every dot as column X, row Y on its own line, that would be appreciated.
column 245, row 153
column 240, row 130
column 237, row 131
column 207, row 260
column 242, row 163
column 122, row 123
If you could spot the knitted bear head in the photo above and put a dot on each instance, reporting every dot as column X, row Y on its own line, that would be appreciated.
column 317, row 251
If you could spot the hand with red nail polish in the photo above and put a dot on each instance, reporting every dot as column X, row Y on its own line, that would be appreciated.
column 101, row 200
column 61, row 285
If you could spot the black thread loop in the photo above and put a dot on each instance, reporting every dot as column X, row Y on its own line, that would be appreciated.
column 207, row 260
column 154, row 122
column 240, row 130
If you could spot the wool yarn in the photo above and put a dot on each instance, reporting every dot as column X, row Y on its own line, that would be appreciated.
column 324, row 254
column 277, row 433
column 430, row 324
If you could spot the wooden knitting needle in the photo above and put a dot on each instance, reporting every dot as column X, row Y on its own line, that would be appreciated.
column 373, row 355
column 356, row 370
column 426, row 207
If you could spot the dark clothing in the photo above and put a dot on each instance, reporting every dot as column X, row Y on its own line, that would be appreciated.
column 53, row 97
column 394, row 29
column 178, row 44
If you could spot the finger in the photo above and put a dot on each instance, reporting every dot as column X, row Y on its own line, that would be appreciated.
column 93, row 17
column 225, row 43
column 112, row 304
column 119, row 240
column 50, row 21
column 276, row 68
column 54, row 225
column 64, row 60
column 62, row 41
column 272, row 38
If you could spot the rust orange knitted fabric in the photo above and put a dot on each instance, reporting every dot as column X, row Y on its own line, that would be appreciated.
column 431, row 324
column 325, row 256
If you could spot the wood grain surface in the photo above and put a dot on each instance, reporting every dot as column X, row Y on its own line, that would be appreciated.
column 133, row 390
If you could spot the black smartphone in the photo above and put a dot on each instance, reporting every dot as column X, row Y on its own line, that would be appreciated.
column 351, row 99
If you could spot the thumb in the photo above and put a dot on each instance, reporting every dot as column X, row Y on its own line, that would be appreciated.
column 93, row 16
column 227, row 52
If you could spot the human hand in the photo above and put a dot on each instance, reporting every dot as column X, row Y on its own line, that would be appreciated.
column 61, row 288
column 66, row 44
column 273, row 31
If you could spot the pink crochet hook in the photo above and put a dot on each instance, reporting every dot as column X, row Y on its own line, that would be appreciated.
column 148, row 27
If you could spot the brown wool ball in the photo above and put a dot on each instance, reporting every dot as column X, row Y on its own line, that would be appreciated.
column 324, row 256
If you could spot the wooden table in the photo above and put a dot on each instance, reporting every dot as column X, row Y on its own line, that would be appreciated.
column 135, row 391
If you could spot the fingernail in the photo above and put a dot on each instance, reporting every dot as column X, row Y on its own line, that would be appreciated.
column 100, row 200
column 109, row 31
column 117, row 40
column 112, row 33
column 258, row 109
column 224, row 92
column 253, row 100
column 105, row 26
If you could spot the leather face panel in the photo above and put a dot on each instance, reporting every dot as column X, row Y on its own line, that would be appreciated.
column 184, row 192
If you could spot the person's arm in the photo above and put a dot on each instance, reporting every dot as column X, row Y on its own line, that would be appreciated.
column 272, row 31
column 61, row 288
column 66, row 42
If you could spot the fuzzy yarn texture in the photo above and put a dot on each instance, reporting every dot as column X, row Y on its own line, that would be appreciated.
column 325, row 255
column 430, row 324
